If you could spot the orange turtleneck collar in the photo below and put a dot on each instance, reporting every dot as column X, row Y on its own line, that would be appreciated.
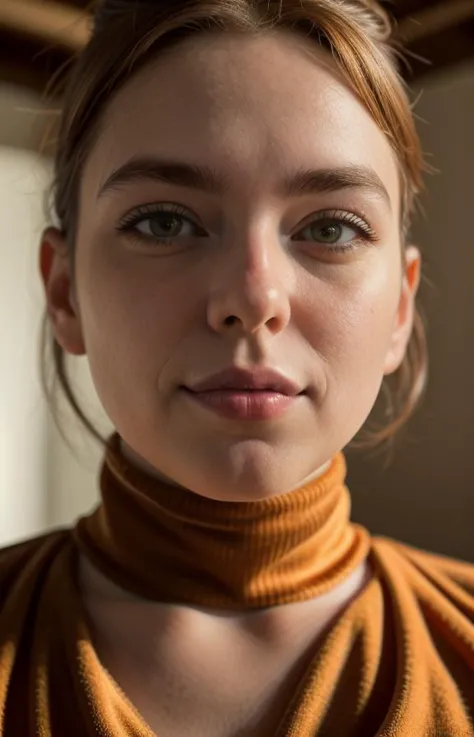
column 169, row 544
column 397, row 661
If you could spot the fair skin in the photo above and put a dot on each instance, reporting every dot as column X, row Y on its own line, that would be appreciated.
column 151, row 317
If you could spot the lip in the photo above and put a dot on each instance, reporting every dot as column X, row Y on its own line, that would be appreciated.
column 252, row 405
column 239, row 379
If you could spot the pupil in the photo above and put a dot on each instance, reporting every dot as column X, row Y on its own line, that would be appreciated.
column 157, row 226
column 330, row 233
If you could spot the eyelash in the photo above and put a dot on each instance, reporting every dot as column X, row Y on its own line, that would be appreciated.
column 144, row 212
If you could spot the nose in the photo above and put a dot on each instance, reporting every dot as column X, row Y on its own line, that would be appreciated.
column 252, row 286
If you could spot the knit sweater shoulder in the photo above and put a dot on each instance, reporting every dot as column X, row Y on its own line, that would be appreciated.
column 398, row 662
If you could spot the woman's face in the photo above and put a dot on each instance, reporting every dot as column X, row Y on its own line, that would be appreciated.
column 152, row 316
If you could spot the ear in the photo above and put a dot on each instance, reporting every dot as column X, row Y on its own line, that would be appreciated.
column 406, row 311
column 61, row 302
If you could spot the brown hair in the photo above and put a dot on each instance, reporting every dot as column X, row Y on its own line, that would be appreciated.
column 126, row 34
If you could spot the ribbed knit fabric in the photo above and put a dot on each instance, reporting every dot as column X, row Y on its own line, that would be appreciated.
column 397, row 662
column 166, row 543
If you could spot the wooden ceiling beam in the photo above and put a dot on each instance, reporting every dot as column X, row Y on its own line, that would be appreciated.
column 441, row 32
column 51, row 22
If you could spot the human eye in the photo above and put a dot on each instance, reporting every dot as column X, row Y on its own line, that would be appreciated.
column 159, row 223
column 340, row 231
column 336, row 231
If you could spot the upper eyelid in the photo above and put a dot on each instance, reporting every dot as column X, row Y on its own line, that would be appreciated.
column 340, row 215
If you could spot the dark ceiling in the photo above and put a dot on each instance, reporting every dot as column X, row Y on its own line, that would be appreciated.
column 38, row 36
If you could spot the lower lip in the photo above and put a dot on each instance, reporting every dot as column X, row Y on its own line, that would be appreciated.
column 242, row 405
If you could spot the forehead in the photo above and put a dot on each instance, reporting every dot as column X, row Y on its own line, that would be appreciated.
column 252, row 106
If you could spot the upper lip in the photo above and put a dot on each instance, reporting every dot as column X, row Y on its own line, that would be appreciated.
column 238, row 378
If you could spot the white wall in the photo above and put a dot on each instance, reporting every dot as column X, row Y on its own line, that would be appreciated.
column 23, row 503
column 42, row 484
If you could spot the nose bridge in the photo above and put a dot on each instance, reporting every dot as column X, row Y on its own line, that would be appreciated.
column 253, row 281
column 254, row 246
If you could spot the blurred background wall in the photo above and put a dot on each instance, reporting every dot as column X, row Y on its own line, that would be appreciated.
column 425, row 497
column 42, row 484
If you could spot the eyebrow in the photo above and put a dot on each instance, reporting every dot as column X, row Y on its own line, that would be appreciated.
column 192, row 176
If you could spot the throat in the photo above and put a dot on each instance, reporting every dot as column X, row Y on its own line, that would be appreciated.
column 268, row 626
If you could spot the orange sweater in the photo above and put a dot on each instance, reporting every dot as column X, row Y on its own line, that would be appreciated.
column 397, row 662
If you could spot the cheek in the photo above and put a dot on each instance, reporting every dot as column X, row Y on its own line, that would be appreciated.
column 358, row 316
column 133, row 318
